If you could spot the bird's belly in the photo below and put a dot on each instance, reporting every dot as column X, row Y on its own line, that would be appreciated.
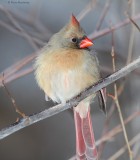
column 63, row 76
column 65, row 86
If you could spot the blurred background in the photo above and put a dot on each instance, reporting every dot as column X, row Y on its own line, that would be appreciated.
column 25, row 27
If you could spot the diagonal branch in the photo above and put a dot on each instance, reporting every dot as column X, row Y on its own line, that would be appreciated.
column 12, row 71
column 103, row 14
column 123, row 149
column 105, row 31
column 24, row 122
column 17, row 25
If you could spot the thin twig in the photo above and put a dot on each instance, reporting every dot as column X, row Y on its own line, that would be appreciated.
column 103, row 14
column 129, row 57
column 42, row 31
column 119, row 91
column 130, row 52
column 60, row 107
column 19, row 74
column 9, row 72
column 123, row 149
column 16, row 31
column 105, row 31
column 16, row 24
column 132, row 35
column 12, row 99
column 117, row 129
column 86, row 9
column 136, row 150
column 135, row 24
column 106, row 126
column 132, row 7
column 115, row 98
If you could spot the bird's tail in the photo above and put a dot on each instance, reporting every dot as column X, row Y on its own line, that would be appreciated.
column 85, row 142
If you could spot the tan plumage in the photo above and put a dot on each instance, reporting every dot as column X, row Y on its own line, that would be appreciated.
column 65, row 67
column 62, row 70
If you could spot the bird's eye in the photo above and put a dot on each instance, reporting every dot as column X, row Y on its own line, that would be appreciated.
column 74, row 40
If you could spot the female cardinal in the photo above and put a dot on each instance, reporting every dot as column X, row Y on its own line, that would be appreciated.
column 66, row 67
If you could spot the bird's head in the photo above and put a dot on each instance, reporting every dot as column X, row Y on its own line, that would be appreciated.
column 72, row 36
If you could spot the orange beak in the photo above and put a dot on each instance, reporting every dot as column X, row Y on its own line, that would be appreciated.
column 86, row 42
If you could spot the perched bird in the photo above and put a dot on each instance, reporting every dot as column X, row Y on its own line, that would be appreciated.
column 64, row 68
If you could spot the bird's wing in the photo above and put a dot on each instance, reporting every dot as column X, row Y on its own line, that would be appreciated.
column 102, row 100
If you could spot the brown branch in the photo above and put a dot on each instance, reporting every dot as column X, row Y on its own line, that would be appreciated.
column 123, row 149
column 9, row 72
column 117, row 129
column 16, row 31
column 42, row 31
column 12, row 99
column 115, row 98
column 136, row 149
column 86, row 9
column 103, row 14
column 132, row 34
column 103, row 32
column 19, row 74
column 16, row 24
column 135, row 24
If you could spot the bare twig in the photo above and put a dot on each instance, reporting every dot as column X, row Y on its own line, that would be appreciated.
column 98, row 34
column 136, row 149
column 134, row 23
column 42, row 31
column 117, row 129
column 123, row 149
column 119, row 91
column 121, row 87
column 9, row 72
column 132, row 34
column 86, row 10
column 111, row 111
column 115, row 98
column 103, row 14
column 106, row 125
column 20, row 74
column 16, row 24
column 12, row 99
column 131, row 7
column 16, row 31
column 59, row 108
column 131, row 41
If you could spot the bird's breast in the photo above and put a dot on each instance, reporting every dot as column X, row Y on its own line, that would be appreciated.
column 65, row 74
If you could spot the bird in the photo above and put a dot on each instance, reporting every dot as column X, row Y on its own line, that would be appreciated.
column 64, row 68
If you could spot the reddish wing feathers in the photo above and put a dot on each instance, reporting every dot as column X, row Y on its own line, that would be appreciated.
column 85, row 143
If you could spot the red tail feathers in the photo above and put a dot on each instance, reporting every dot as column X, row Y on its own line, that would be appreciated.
column 85, row 142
